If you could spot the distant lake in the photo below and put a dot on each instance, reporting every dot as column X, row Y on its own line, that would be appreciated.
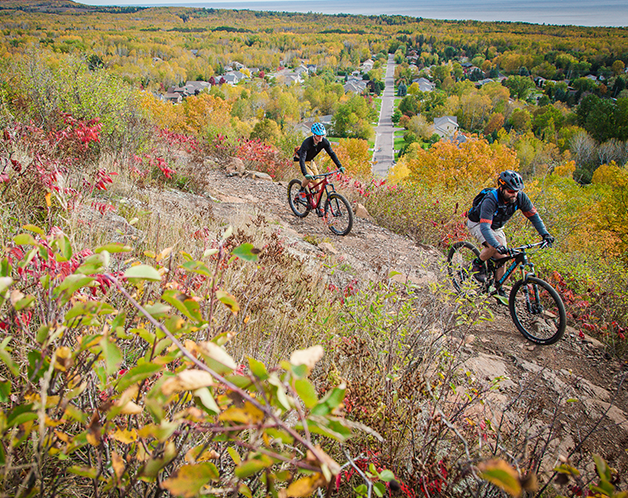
column 561, row 12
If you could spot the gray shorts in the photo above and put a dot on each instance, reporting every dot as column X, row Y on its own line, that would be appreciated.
column 474, row 229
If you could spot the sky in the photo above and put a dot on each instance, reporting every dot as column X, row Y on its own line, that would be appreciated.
column 559, row 12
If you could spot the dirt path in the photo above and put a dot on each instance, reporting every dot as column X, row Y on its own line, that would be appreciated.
column 572, row 388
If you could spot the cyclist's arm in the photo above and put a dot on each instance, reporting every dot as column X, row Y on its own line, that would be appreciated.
column 530, row 212
column 487, row 233
column 303, row 154
column 332, row 154
column 487, row 209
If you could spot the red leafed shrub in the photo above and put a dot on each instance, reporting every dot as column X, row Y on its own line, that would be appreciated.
column 262, row 157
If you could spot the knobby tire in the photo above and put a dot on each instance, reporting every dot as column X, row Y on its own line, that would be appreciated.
column 543, row 320
column 338, row 214
column 459, row 262
column 300, row 207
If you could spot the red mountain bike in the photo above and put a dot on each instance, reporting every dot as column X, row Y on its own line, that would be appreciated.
column 328, row 204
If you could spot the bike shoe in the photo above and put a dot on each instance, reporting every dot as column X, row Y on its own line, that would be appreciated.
column 478, row 270
column 320, row 212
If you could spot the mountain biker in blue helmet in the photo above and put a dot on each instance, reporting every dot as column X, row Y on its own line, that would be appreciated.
column 310, row 148
column 488, row 217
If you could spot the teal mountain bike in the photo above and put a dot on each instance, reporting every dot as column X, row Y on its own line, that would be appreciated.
column 535, row 307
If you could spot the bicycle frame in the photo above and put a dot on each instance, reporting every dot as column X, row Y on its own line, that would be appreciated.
column 520, row 260
column 325, row 186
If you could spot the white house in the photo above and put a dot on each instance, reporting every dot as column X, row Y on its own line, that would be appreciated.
column 367, row 65
column 425, row 85
column 446, row 126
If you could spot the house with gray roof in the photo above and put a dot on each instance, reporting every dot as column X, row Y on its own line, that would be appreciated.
column 196, row 87
column 425, row 85
column 355, row 85
column 446, row 126
column 306, row 126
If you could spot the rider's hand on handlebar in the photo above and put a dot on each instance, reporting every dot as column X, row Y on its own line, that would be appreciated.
column 548, row 239
column 309, row 177
column 503, row 250
column 342, row 169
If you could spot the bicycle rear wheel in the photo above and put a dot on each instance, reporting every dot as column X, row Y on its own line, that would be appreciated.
column 537, row 310
column 459, row 263
column 338, row 214
column 298, row 204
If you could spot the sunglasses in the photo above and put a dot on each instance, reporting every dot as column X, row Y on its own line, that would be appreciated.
column 510, row 191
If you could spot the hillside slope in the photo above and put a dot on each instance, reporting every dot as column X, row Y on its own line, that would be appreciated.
column 573, row 390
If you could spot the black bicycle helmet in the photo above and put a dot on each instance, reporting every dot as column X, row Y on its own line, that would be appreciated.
column 510, row 179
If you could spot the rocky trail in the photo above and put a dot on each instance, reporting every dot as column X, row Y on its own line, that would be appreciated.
column 571, row 389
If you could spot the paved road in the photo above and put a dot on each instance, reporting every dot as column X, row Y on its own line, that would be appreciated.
column 384, row 156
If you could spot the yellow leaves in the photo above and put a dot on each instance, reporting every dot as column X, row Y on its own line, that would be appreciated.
column 459, row 167
column 94, row 430
column 250, row 414
column 216, row 355
column 63, row 358
column 566, row 169
column 188, row 380
column 228, row 300
column 125, row 436
column 507, row 478
column 204, row 110
column 118, row 464
column 188, row 480
column 130, row 408
column 308, row 357
column 201, row 454
column 355, row 156
column 305, row 486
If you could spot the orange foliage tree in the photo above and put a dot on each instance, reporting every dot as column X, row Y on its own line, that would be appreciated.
column 195, row 115
column 459, row 166
column 613, row 206
column 206, row 111
column 354, row 155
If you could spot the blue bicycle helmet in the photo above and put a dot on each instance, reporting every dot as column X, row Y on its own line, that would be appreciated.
column 319, row 129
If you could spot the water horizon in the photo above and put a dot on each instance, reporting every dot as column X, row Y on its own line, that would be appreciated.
column 607, row 13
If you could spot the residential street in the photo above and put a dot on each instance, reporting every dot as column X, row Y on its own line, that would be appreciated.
column 383, row 157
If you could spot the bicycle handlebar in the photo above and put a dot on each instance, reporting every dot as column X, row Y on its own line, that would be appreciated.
column 322, row 175
column 518, row 250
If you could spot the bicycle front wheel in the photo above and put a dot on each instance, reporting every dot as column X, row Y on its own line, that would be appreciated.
column 298, row 203
column 338, row 214
column 459, row 263
column 537, row 310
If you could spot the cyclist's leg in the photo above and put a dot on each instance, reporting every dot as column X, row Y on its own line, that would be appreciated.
column 311, row 169
column 487, row 250
column 501, row 238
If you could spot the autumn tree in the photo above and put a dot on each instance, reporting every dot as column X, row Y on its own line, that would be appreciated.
column 266, row 130
column 353, row 119
column 613, row 206
column 519, row 86
column 495, row 122
column 354, row 155
column 520, row 119
column 461, row 167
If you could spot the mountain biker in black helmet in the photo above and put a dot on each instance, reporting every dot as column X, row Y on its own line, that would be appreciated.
column 310, row 148
column 487, row 219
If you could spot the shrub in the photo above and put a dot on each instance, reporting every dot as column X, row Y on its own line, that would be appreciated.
column 116, row 378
